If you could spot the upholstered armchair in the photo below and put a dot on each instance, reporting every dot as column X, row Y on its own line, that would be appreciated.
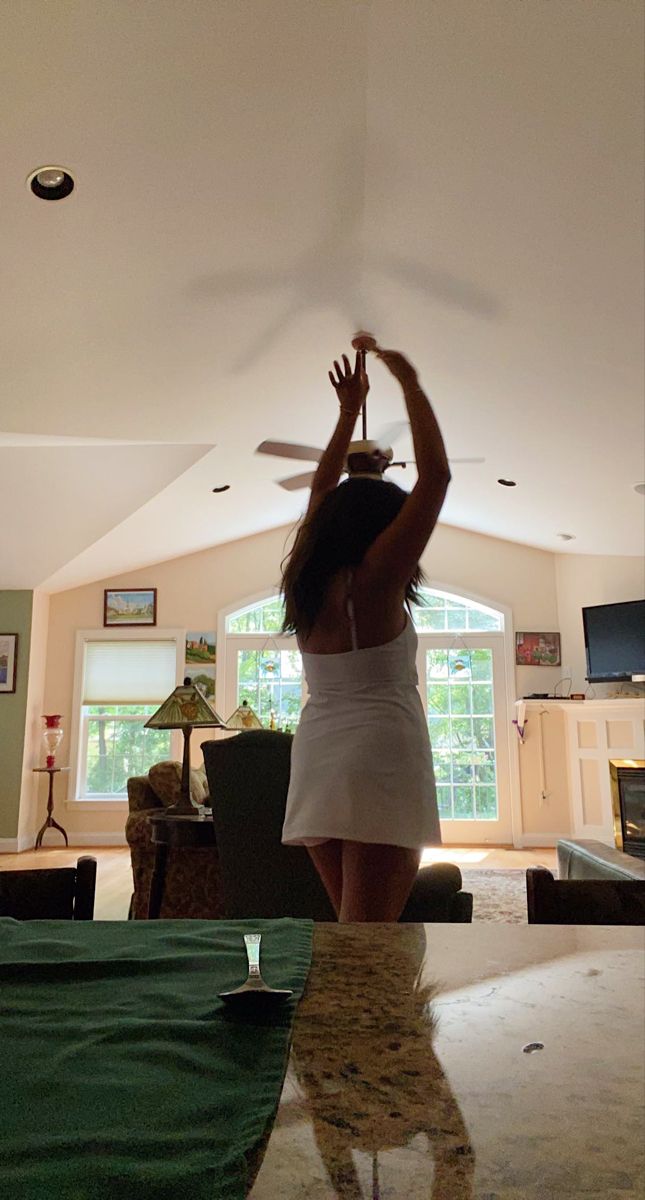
column 192, row 876
column 249, row 775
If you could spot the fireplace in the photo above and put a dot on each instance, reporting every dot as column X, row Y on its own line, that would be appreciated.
column 628, row 801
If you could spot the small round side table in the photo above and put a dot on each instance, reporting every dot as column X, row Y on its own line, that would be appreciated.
column 50, row 823
column 176, row 830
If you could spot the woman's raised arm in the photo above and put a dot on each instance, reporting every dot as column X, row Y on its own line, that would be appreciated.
column 394, row 556
column 351, row 387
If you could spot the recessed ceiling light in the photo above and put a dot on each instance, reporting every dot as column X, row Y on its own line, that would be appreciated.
column 507, row 482
column 640, row 488
column 567, row 537
column 50, row 183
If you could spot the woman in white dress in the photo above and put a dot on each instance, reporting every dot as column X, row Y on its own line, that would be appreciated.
column 362, row 794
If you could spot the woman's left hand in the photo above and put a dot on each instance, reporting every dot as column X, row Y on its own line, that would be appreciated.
column 351, row 387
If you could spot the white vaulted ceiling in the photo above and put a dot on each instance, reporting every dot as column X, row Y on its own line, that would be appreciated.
column 256, row 180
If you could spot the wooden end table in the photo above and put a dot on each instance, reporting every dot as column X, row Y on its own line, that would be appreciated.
column 175, row 831
column 50, row 823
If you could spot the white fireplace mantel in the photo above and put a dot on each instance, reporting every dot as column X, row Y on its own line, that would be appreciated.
column 594, row 732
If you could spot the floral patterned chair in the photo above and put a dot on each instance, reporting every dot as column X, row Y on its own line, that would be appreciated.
column 192, row 876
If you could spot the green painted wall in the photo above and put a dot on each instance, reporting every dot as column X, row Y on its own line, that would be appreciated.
column 15, row 617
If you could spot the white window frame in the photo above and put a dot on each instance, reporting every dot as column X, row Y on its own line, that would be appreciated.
column 78, row 732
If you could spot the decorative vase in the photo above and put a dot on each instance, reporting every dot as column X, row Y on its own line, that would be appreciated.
column 53, row 734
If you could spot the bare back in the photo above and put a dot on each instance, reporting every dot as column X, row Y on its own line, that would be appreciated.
column 379, row 615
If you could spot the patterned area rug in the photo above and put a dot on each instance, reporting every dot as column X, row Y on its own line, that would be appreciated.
column 497, row 895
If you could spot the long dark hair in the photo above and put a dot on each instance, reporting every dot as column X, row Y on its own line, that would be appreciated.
column 337, row 534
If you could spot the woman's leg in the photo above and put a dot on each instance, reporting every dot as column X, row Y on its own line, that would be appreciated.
column 376, row 880
column 327, row 858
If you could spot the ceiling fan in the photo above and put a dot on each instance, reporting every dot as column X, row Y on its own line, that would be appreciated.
column 368, row 458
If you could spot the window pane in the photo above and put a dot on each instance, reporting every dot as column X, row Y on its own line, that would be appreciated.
column 118, row 748
column 481, row 664
column 486, row 803
column 291, row 664
column 485, row 769
column 462, row 732
column 438, row 698
column 441, row 761
column 459, row 698
column 265, row 617
column 437, row 664
column 483, row 699
column 421, row 618
column 437, row 611
column 478, row 620
column 464, row 802
column 462, row 766
column 444, row 802
column 433, row 619
column 456, row 616
column 483, row 732
column 439, row 728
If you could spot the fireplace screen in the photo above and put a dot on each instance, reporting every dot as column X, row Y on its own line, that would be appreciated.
column 628, row 794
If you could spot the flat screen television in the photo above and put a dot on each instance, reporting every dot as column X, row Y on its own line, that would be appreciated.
column 615, row 641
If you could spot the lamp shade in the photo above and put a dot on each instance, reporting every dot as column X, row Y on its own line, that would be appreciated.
column 244, row 717
column 185, row 707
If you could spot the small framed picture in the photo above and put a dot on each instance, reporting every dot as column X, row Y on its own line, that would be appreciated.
column 537, row 649
column 201, row 646
column 130, row 606
column 8, row 661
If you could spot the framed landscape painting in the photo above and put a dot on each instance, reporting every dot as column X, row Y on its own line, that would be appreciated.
column 130, row 606
column 537, row 649
column 200, row 646
column 8, row 661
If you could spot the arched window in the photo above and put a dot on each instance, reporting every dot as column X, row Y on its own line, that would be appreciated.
column 262, row 665
column 437, row 612
column 441, row 612
column 462, row 683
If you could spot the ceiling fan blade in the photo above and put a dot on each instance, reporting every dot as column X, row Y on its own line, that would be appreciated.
column 290, row 450
column 411, row 462
column 388, row 434
column 295, row 482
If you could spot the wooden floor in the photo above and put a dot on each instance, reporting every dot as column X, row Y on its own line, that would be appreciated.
column 114, row 877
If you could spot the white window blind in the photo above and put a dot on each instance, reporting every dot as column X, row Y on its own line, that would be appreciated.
column 129, row 672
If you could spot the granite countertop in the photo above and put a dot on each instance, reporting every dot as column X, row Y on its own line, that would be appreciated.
column 409, row 1077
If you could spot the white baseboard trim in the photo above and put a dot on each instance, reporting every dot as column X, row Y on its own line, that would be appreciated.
column 97, row 839
column 17, row 845
column 528, row 841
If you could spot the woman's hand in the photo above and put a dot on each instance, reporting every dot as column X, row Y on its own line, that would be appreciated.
column 400, row 368
column 351, row 387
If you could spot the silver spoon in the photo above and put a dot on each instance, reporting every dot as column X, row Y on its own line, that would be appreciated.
column 255, row 988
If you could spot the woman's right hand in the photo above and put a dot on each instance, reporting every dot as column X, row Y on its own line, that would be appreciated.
column 351, row 387
column 400, row 367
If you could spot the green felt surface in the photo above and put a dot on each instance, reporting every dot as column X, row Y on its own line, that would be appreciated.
column 122, row 1074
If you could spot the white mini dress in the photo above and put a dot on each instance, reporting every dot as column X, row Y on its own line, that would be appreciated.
column 361, row 762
